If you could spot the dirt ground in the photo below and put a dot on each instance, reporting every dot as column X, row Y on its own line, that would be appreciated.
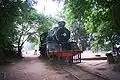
column 38, row 69
column 102, row 68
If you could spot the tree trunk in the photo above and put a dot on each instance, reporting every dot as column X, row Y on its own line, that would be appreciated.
column 2, row 56
column 116, row 16
column 19, row 51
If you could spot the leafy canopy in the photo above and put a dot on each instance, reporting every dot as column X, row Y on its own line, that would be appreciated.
column 97, row 17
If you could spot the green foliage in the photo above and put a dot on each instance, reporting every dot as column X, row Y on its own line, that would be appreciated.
column 73, row 11
column 8, row 11
column 11, row 12
column 43, row 23
column 98, row 20
column 79, row 35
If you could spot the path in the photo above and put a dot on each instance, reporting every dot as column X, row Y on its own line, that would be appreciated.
column 38, row 69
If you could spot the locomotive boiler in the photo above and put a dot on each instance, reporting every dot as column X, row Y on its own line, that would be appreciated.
column 56, row 44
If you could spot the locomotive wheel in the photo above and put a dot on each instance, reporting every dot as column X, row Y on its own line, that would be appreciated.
column 71, row 60
column 51, row 57
column 55, row 57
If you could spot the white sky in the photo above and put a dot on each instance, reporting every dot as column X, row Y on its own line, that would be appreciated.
column 48, row 7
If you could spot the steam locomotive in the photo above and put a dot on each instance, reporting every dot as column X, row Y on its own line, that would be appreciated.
column 55, row 44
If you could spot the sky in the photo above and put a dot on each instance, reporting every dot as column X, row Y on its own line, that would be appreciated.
column 48, row 7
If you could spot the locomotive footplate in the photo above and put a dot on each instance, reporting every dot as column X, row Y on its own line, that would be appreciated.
column 61, row 53
column 71, row 56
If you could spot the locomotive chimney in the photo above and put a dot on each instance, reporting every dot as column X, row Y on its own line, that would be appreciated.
column 61, row 23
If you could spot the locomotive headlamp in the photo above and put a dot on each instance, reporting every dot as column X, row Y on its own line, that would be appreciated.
column 64, row 34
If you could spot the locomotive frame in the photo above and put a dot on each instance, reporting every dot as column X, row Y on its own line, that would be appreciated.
column 56, row 46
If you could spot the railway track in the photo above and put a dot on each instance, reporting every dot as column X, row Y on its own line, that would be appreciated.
column 81, row 74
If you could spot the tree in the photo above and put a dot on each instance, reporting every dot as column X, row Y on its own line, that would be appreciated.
column 79, row 35
column 30, row 26
column 10, row 11
column 98, row 19
column 43, row 24
column 24, row 29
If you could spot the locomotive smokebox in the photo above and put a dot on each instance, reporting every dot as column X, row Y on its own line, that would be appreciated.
column 59, row 34
column 62, row 34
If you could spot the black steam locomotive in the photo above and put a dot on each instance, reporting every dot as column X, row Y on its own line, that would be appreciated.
column 55, row 44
